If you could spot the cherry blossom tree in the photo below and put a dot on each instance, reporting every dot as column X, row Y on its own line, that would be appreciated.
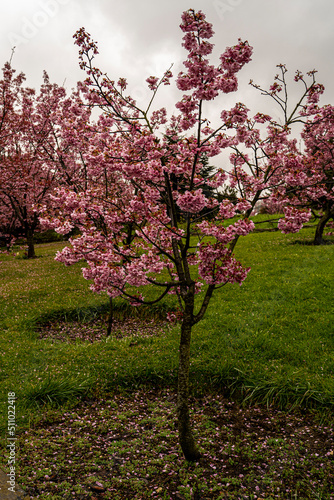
column 43, row 136
column 267, row 166
column 304, row 185
column 25, row 177
column 10, row 87
column 309, row 183
column 130, row 235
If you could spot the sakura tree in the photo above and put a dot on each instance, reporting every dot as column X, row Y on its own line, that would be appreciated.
column 10, row 87
column 25, row 177
column 130, row 235
column 267, row 165
column 309, row 184
column 43, row 137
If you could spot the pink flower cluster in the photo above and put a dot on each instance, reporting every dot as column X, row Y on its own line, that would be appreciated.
column 217, row 267
column 234, row 58
column 225, row 235
column 236, row 116
column 192, row 202
column 206, row 80
column 152, row 82
column 293, row 220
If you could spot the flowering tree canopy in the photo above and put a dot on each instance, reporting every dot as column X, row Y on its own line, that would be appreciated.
column 309, row 181
column 267, row 164
column 43, row 136
column 27, row 131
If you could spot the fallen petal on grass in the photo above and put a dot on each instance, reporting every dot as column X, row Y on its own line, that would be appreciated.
column 125, row 446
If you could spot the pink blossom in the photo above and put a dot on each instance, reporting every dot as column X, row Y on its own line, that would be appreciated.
column 192, row 202
column 152, row 82
column 293, row 220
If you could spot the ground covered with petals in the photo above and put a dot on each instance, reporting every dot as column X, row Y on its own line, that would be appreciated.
column 124, row 446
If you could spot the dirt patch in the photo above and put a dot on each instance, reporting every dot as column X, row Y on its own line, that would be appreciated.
column 95, row 331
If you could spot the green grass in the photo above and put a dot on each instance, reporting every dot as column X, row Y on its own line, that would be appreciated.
column 276, row 329
column 270, row 341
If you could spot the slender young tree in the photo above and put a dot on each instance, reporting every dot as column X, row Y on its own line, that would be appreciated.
column 130, row 235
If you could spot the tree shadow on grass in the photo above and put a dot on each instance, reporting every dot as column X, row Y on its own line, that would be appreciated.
column 96, row 330
column 311, row 243
column 90, row 324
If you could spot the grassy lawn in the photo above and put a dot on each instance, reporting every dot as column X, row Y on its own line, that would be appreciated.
column 95, row 416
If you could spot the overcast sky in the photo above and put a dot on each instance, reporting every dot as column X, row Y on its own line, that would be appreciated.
column 142, row 38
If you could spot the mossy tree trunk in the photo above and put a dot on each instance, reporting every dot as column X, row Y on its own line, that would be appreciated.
column 186, row 438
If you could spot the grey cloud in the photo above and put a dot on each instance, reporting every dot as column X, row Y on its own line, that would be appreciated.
column 136, row 38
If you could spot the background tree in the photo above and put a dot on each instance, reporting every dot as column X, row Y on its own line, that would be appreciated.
column 45, row 147
column 25, row 177
column 309, row 181
column 265, row 156
column 10, row 88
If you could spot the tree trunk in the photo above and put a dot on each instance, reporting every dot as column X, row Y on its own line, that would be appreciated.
column 110, row 317
column 186, row 438
column 318, row 240
column 30, row 243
